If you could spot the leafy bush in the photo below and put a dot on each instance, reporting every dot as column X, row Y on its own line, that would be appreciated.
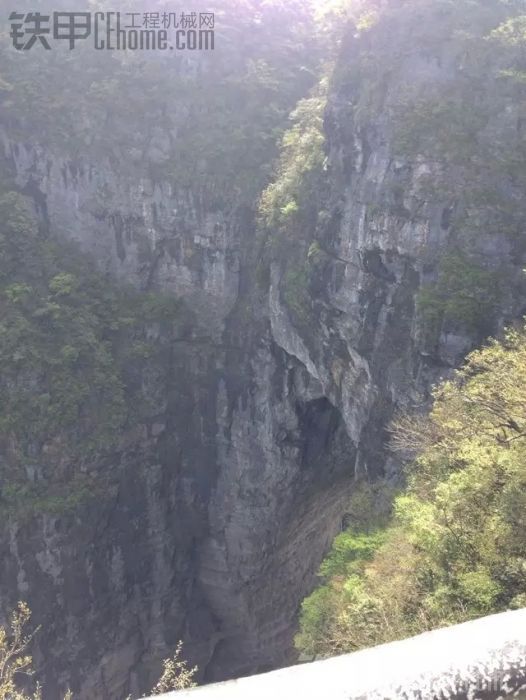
column 302, row 160
column 70, row 339
column 216, row 118
column 456, row 547
column 464, row 297
column 16, row 662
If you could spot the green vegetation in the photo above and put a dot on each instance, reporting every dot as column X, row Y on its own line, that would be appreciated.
column 16, row 664
column 295, row 287
column 14, row 659
column 454, row 125
column 445, row 79
column 288, row 209
column 458, row 124
column 24, row 499
column 464, row 298
column 455, row 548
column 301, row 165
column 210, row 122
column 71, row 344
column 288, row 206
column 291, row 208
column 176, row 674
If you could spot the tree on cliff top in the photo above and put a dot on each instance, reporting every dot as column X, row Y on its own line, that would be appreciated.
column 456, row 547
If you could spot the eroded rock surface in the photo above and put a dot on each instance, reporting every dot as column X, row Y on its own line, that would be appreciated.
column 216, row 514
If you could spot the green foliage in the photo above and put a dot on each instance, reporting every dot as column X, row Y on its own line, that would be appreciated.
column 296, row 292
column 348, row 549
column 464, row 297
column 511, row 32
column 23, row 499
column 208, row 121
column 176, row 675
column 302, row 162
column 70, row 340
column 288, row 208
column 444, row 126
column 456, row 547
column 15, row 661
column 444, row 81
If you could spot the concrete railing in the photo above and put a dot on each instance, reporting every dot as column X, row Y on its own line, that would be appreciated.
column 485, row 659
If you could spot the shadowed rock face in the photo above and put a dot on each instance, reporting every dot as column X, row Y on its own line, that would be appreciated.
column 215, row 515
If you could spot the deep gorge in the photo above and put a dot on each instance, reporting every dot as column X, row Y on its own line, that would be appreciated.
column 258, row 356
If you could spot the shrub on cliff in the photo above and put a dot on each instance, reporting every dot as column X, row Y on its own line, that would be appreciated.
column 14, row 659
column 456, row 547
column 16, row 664
column 73, row 344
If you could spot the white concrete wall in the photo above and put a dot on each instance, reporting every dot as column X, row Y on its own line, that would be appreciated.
column 485, row 654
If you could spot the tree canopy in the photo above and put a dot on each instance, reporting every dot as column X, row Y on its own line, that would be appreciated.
column 456, row 546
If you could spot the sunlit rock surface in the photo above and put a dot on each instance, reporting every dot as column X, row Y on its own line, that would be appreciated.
column 218, row 514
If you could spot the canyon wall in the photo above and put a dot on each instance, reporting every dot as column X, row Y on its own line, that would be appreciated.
column 216, row 511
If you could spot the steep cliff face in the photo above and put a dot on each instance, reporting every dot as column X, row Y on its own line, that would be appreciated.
column 385, row 310
column 217, row 510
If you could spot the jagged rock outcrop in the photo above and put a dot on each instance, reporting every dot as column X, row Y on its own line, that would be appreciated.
column 215, row 515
